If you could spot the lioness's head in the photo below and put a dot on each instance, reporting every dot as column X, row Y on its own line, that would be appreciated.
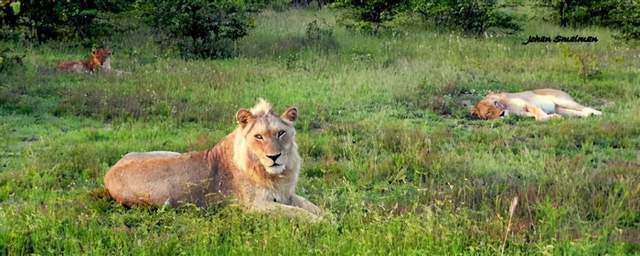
column 489, row 107
column 267, row 138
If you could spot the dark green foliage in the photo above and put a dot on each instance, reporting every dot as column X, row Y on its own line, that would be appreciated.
column 369, row 15
column 114, row 5
column 306, row 3
column 472, row 17
column 9, row 60
column 585, row 12
column 626, row 17
column 201, row 28
column 623, row 15
column 59, row 20
column 319, row 34
column 258, row 5
column 9, row 10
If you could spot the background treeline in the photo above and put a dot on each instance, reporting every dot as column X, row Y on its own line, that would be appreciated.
column 209, row 28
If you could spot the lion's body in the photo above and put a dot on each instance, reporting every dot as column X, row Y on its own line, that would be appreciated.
column 106, row 68
column 233, row 168
column 156, row 179
column 541, row 104
column 90, row 65
column 82, row 66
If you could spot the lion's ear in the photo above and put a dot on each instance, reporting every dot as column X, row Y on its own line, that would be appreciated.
column 243, row 116
column 291, row 114
column 500, row 105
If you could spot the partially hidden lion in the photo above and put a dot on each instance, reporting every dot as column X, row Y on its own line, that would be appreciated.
column 542, row 104
column 257, row 165
column 90, row 65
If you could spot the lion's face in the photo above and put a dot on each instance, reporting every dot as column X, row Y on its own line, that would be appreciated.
column 101, row 54
column 269, row 138
column 489, row 108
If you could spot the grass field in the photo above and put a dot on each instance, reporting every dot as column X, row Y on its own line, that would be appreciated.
column 389, row 150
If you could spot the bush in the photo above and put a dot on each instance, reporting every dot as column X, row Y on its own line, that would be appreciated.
column 9, row 60
column 61, row 20
column 472, row 17
column 275, row 5
column 585, row 12
column 320, row 35
column 626, row 18
column 307, row 3
column 623, row 15
column 201, row 28
column 369, row 16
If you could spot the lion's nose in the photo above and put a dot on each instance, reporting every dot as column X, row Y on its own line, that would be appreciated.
column 274, row 157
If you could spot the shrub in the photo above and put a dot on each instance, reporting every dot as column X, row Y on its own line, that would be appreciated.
column 623, row 15
column 45, row 20
column 626, row 18
column 9, row 60
column 8, row 10
column 319, row 34
column 201, row 28
column 585, row 12
column 472, row 17
column 276, row 5
column 307, row 3
column 114, row 6
column 369, row 16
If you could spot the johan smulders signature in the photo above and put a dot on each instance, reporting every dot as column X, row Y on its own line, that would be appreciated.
column 561, row 39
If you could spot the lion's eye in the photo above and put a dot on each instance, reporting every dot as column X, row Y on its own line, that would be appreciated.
column 281, row 133
column 258, row 137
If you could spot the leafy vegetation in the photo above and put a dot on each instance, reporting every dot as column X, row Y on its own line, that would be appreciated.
column 388, row 146
column 369, row 15
column 623, row 15
column 9, row 60
column 201, row 28
column 59, row 20
column 472, row 17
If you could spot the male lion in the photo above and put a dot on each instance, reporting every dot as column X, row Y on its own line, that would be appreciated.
column 257, row 164
column 542, row 104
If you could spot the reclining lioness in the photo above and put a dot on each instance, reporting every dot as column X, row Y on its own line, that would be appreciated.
column 257, row 164
column 542, row 104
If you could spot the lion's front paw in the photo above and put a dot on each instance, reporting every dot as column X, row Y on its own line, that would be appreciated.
column 313, row 209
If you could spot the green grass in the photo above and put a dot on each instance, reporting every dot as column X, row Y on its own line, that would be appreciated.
column 388, row 148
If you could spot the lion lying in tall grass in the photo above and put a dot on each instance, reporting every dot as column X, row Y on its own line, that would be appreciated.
column 257, row 164
column 90, row 65
column 541, row 104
